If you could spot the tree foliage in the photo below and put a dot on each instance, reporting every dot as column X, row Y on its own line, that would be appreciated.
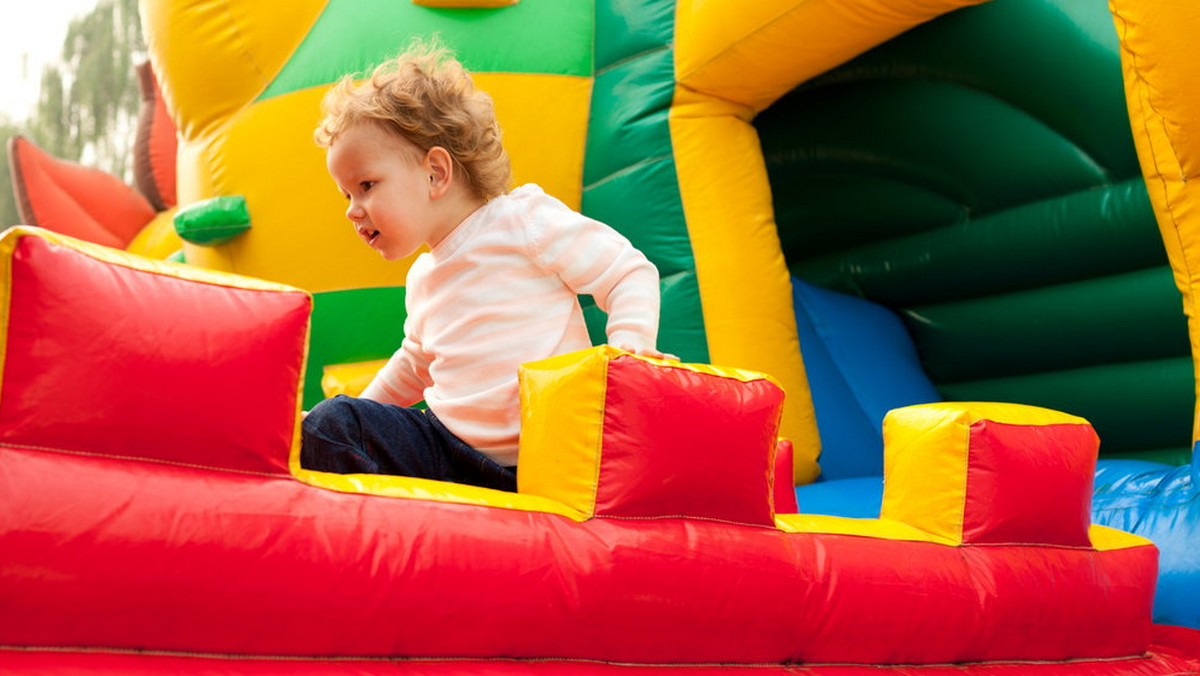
column 88, row 103
column 8, row 200
column 87, row 110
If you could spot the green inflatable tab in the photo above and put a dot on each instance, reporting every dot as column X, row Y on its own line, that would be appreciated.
column 213, row 221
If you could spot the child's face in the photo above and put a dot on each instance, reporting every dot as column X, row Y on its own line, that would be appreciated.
column 382, row 176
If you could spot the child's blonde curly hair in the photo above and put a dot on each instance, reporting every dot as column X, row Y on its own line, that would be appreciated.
column 428, row 98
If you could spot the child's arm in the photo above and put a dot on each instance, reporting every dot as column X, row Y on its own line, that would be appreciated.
column 632, row 304
column 592, row 258
column 402, row 381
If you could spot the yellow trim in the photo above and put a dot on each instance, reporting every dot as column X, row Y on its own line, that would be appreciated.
column 1007, row 414
column 1103, row 538
column 433, row 491
column 882, row 529
column 1106, row 539
column 741, row 375
column 562, row 423
column 745, row 287
column 144, row 264
column 413, row 488
column 8, row 242
column 294, row 450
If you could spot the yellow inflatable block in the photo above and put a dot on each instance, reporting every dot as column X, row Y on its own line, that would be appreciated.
column 349, row 379
column 989, row 473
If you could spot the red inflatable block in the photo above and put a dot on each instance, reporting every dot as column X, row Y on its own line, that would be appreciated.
column 677, row 441
column 990, row 473
column 612, row 434
column 79, row 324
column 1030, row 483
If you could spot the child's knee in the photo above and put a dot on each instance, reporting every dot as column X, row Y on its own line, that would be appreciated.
column 330, row 438
column 330, row 413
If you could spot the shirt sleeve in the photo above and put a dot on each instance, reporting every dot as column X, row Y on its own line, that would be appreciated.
column 403, row 379
column 592, row 258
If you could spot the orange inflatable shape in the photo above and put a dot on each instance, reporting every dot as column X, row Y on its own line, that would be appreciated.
column 73, row 199
column 95, row 206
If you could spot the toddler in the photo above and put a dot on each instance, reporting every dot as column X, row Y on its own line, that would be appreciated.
column 416, row 152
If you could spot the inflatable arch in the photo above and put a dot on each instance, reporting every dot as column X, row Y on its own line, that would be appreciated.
column 642, row 119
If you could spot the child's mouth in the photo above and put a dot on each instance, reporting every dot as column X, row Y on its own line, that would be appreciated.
column 368, row 236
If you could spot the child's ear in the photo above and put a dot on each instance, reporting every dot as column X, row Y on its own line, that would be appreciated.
column 440, row 167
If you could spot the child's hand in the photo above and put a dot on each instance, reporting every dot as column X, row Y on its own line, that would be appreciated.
column 642, row 351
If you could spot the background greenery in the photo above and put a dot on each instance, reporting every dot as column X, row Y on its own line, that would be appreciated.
column 88, row 104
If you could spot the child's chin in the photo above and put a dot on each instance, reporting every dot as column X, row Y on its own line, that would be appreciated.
column 393, row 255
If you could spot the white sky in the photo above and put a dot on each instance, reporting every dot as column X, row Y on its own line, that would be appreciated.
column 31, row 35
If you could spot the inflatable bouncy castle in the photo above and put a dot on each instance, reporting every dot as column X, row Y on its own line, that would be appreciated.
column 156, row 520
column 155, row 517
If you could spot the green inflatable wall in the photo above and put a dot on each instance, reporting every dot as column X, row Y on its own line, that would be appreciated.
column 977, row 175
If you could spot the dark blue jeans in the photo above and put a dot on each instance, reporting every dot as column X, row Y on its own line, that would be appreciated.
column 347, row 435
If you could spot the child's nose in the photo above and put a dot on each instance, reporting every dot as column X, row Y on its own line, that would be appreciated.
column 355, row 213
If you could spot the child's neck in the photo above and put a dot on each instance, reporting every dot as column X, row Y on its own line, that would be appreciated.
column 456, row 207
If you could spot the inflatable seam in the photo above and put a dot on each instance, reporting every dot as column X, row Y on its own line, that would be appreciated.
column 563, row 660
column 690, row 517
column 135, row 458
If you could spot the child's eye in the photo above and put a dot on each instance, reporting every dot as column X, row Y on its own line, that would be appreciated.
column 366, row 185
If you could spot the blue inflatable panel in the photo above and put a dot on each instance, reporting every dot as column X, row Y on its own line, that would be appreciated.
column 856, row 497
column 1160, row 502
column 861, row 363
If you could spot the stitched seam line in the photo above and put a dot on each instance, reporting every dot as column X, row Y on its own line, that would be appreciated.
column 160, row 461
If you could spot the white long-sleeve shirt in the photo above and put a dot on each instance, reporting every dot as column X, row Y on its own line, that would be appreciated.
column 500, row 290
